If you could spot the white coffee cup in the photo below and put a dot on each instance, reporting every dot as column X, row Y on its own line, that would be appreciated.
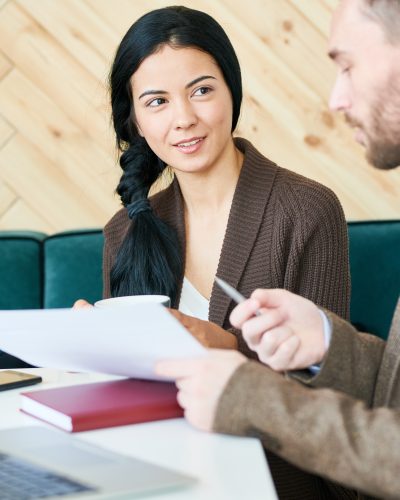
column 133, row 300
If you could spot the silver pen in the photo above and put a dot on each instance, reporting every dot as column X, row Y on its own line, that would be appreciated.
column 232, row 292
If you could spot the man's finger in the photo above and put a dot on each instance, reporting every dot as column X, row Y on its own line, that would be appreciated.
column 271, row 298
column 255, row 328
column 243, row 312
column 186, row 400
column 284, row 355
column 271, row 341
column 187, row 384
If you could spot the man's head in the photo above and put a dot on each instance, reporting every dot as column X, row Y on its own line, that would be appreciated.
column 365, row 45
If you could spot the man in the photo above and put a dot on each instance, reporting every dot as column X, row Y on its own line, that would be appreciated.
column 348, row 428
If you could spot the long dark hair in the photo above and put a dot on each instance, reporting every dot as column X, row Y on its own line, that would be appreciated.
column 150, row 260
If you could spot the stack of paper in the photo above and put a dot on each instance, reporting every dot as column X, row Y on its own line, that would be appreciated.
column 120, row 341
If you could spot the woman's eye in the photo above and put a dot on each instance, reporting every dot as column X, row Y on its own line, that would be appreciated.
column 202, row 91
column 156, row 102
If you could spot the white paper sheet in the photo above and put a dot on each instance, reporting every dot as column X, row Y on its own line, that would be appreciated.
column 121, row 341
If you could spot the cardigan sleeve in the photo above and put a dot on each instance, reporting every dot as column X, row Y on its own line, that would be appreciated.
column 318, row 264
column 106, row 270
column 322, row 431
column 114, row 234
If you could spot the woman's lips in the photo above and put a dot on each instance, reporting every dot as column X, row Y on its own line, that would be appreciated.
column 190, row 146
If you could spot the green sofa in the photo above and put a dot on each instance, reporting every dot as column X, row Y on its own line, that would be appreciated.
column 375, row 274
column 39, row 271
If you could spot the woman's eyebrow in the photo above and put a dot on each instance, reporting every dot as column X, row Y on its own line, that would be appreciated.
column 198, row 79
column 188, row 85
column 151, row 92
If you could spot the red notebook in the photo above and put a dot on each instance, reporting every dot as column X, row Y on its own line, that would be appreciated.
column 103, row 404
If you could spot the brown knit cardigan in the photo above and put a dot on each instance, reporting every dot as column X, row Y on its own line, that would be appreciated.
column 284, row 231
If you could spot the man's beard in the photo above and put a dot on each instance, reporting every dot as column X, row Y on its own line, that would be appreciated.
column 383, row 148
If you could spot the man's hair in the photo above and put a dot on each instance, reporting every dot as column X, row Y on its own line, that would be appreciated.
column 387, row 14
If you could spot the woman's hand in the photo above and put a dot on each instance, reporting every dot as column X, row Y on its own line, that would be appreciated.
column 81, row 304
column 207, row 333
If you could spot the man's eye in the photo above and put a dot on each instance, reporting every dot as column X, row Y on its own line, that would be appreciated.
column 202, row 91
column 156, row 102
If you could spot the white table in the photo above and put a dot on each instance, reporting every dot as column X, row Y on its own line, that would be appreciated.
column 227, row 467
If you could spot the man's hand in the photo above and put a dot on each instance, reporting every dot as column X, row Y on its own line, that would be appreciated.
column 200, row 383
column 289, row 332
column 207, row 333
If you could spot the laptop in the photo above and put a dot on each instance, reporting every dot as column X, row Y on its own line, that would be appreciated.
column 36, row 462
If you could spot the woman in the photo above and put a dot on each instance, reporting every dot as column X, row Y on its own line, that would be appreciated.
column 176, row 94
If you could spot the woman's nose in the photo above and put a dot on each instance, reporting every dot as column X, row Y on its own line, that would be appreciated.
column 185, row 115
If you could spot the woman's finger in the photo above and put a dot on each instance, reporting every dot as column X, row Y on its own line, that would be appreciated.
column 81, row 304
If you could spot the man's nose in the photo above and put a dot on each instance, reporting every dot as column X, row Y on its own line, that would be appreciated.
column 340, row 99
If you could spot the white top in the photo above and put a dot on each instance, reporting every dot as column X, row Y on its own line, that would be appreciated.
column 192, row 302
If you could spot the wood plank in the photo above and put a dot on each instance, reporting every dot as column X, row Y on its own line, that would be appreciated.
column 5, row 64
column 78, row 29
column 21, row 216
column 6, row 131
column 49, row 192
column 285, row 34
column 41, row 122
column 120, row 24
column 317, row 12
column 76, row 92
column 7, row 198
column 331, row 4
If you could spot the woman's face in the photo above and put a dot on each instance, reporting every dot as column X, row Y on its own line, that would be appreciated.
column 183, row 108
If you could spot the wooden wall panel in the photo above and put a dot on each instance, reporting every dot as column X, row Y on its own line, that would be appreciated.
column 7, row 198
column 58, row 165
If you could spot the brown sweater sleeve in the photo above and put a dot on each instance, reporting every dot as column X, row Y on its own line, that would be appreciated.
column 114, row 234
column 106, row 270
column 322, row 431
column 351, row 364
column 318, row 265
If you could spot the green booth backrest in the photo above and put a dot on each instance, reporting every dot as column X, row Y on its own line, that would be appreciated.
column 73, row 260
column 21, row 277
column 39, row 271
column 21, row 273
column 375, row 274
column 72, row 268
